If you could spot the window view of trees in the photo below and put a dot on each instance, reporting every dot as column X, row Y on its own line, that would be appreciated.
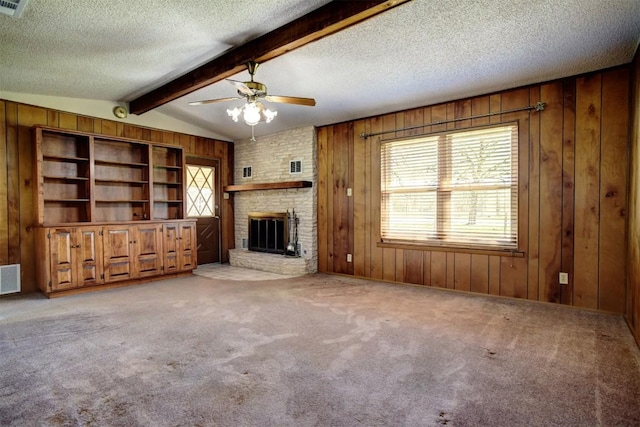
column 458, row 187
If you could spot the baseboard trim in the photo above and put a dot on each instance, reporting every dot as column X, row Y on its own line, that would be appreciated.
column 116, row 285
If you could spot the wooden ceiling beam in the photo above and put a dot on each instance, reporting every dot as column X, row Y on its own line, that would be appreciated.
column 328, row 19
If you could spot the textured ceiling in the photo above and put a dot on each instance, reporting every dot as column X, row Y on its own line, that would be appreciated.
column 419, row 53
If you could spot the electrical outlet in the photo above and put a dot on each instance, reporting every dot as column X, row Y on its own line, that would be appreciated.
column 349, row 192
column 563, row 278
column 349, row 258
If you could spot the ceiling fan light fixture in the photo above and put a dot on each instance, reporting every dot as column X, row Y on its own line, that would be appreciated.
column 269, row 115
column 235, row 113
column 252, row 113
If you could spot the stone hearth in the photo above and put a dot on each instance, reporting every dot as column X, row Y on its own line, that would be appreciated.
column 273, row 263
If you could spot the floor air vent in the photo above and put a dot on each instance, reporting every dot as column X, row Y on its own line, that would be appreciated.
column 9, row 279
column 12, row 7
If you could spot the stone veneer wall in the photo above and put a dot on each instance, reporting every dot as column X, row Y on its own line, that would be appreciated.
column 269, row 158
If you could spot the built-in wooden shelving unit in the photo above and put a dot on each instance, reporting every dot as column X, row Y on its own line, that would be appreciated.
column 84, row 177
column 109, row 210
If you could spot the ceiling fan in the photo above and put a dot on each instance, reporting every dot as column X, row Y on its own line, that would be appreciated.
column 254, row 111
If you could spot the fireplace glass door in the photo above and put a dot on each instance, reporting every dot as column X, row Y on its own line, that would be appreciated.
column 268, row 232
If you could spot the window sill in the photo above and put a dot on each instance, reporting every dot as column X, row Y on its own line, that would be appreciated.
column 459, row 249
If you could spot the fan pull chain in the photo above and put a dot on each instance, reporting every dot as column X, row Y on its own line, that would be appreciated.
column 253, row 138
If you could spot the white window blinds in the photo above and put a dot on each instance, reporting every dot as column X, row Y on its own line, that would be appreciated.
column 458, row 188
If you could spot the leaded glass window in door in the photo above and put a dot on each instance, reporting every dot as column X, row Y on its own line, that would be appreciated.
column 200, row 191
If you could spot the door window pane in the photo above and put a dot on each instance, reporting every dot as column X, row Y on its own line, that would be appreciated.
column 200, row 191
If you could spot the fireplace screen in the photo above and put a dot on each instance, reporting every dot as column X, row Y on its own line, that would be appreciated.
column 268, row 232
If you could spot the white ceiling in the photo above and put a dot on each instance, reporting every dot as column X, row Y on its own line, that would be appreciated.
column 419, row 53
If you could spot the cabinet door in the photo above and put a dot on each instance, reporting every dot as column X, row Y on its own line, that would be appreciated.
column 171, row 247
column 148, row 243
column 62, row 259
column 118, row 259
column 188, row 250
column 88, row 256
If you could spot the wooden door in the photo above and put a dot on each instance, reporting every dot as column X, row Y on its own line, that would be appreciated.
column 147, row 243
column 188, row 252
column 62, row 259
column 170, row 247
column 88, row 251
column 118, row 257
column 203, row 205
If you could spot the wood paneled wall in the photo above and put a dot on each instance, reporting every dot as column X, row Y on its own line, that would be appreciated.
column 16, row 185
column 572, row 196
column 633, row 277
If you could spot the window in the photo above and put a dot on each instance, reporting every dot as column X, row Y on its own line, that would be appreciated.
column 458, row 188
column 200, row 196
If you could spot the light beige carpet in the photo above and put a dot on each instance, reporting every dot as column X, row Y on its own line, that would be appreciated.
column 310, row 351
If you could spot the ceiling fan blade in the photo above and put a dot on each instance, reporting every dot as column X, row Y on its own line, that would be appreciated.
column 242, row 87
column 212, row 101
column 291, row 100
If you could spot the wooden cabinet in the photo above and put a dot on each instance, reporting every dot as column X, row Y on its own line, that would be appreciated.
column 147, row 249
column 188, row 246
column 118, row 253
column 108, row 210
column 85, row 256
column 88, row 251
column 71, row 257
column 180, row 249
column 132, row 251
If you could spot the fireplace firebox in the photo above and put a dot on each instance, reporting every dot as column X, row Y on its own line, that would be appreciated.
column 268, row 232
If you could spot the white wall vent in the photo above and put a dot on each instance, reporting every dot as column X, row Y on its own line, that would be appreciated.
column 9, row 278
column 295, row 166
column 12, row 8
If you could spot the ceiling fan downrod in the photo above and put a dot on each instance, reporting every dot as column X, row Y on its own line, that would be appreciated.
column 252, row 67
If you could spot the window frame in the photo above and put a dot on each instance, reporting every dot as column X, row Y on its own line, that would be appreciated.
column 210, row 200
column 440, row 242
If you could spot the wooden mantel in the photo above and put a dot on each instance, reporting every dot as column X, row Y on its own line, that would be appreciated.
column 267, row 186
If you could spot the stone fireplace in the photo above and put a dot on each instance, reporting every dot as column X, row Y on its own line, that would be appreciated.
column 270, row 159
